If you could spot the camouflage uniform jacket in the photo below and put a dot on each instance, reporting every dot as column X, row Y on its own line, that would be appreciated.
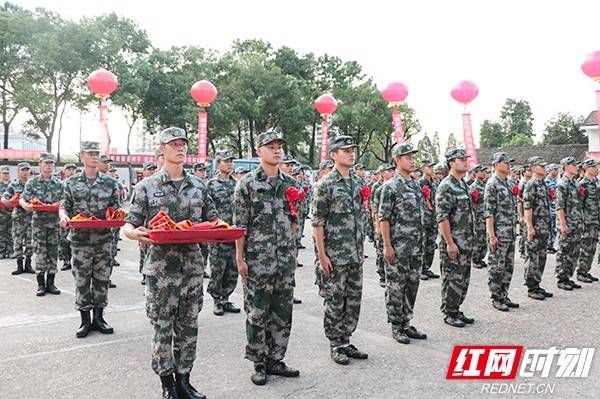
column 500, row 203
column 429, row 211
column 16, row 187
column 454, row 204
column 479, row 206
column 590, row 198
column 222, row 191
column 567, row 198
column 536, row 198
column 48, row 192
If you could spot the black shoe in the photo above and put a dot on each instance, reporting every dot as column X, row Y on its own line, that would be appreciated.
column 299, row 265
column 218, row 309
column 281, row 369
column 564, row 285
column 50, row 287
column 41, row 290
column 99, row 324
column 501, row 306
column 228, row 307
column 115, row 263
column 400, row 336
column 19, row 267
column 206, row 275
column 584, row 278
column 301, row 246
column 185, row 389
column 169, row 389
column 382, row 283
column 511, row 304
column 66, row 266
column 260, row 374
column 353, row 352
column 478, row 265
column 592, row 277
column 412, row 332
column 551, row 251
column 545, row 293
column 536, row 294
column 111, row 284
column 467, row 320
column 297, row 301
column 86, row 324
column 483, row 263
column 453, row 321
column 423, row 276
column 573, row 284
column 339, row 356
column 28, row 268
column 143, row 282
column 430, row 274
column 366, row 256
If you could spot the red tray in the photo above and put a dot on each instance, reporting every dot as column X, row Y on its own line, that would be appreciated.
column 95, row 224
column 10, row 205
column 195, row 236
column 46, row 208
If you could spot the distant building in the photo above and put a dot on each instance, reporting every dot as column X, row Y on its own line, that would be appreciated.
column 550, row 153
column 145, row 143
column 19, row 141
column 590, row 125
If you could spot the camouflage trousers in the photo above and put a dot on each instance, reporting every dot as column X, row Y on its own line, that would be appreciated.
column 566, row 257
column 523, row 239
column 341, row 293
column 204, row 252
column 223, row 271
column 64, row 247
column 45, row 235
column 380, row 259
column 268, row 302
column 589, row 242
column 455, row 280
column 174, row 297
column 91, row 269
column 115, row 241
column 479, row 241
column 302, row 221
column 6, row 241
column 552, row 230
column 429, row 247
column 142, row 257
column 370, row 228
column 21, row 233
column 536, row 261
column 401, row 286
column 500, row 268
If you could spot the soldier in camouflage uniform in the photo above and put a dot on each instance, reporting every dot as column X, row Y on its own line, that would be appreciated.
column 477, row 194
column 64, row 248
column 522, row 224
column 431, row 231
column 200, row 173
column 6, row 245
column 387, row 172
column 551, row 181
column 266, row 258
column 338, row 223
column 21, row 222
column 223, row 269
column 45, row 230
column 112, row 172
column 173, row 272
column 148, row 169
column 536, row 205
column 590, row 198
column 103, row 167
column 90, row 193
column 401, row 224
column 456, row 218
column 500, row 207
column 359, row 171
column 570, row 224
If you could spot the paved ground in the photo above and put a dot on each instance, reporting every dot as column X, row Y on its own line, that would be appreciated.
column 40, row 356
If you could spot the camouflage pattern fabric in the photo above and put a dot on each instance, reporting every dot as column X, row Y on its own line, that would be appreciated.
column 591, row 221
column 567, row 198
column 21, row 223
column 6, row 240
column 551, row 184
column 479, row 239
column 430, row 225
column 379, row 259
column 536, row 198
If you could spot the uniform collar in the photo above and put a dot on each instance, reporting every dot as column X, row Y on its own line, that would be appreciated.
column 262, row 176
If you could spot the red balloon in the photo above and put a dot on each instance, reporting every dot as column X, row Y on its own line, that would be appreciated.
column 591, row 66
column 395, row 93
column 464, row 92
column 102, row 83
column 204, row 93
column 326, row 104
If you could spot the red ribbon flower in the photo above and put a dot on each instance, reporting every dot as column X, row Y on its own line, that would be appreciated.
column 475, row 196
column 427, row 194
column 516, row 190
column 582, row 192
column 293, row 195
column 365, row 193
column 551, row 193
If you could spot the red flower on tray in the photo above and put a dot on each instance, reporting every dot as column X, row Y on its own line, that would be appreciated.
column 475, row 196
column 427, row 194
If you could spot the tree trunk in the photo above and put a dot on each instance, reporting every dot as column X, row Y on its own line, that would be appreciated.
column 240, row 145
column 313, row 140
column 6, row 127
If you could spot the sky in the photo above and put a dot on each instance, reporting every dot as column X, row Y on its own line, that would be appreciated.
column 529, row 50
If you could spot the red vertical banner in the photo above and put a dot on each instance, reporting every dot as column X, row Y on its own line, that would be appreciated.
column 104, row 134
column 398, row 126
column 469, row 142
column 202, row 134
column 324, row 139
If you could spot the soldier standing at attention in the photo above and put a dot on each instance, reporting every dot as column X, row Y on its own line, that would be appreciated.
column 90, row 193
column 456, row 218
column 551, row 181
column 6, row 245
column 387, row 172
column 522, row 224
column 500, row 206
column 148, row 169
column 64, row 249
column 359, row 171
column 173, row 272
column 477, row 193
column 431, row 231
column 223, row 269
column 590, row 198
column 21, row 222
column 401, row 214
column 339, row 237
column 200, row 173
column 45, row 230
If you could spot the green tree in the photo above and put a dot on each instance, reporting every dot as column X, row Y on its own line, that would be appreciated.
column 564, row 128
column 519, row 140
column 384, row 140
column 452, row 142
column 491, row 134
column 426, row 149
column 516, row 119
column 436, row 148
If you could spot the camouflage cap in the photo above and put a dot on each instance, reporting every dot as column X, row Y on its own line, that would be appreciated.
column 4, row 169
column 223, row 155
column 502, row 157
column 241, row 169
column 46, row 157
column 288, row 159
column 105, row 158
column 172, row 134
column 268, row 137
column 296, row 169
column 552, row 166
column 525, row 168
column 387, row 166
column 476, row 168
column 403, row 149
column 589, row 163
column 568, row 161
column 89, row 146
column 149, row 165
column 439, row 168
column 455, row 153
column 359, row 166
column 427, row 162
column 341, row 142
column 199, row 166
column 23, row 165
column 326, row 164
column 112, row 169
column 533, row 161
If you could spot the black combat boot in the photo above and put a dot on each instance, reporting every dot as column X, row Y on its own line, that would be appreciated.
column 19, row 266
column 50, row 287
column 41, row 290
column 86, row 324
column 28, row 268
column 185, row 389
column 99, row 324
column 169, row 390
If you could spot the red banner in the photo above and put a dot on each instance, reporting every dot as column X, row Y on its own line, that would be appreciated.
column 141, row 158
column 202, row 134
column 104, row 134
column 324, row 139
column 469, row 142
column 398, row 126
column 20, row 154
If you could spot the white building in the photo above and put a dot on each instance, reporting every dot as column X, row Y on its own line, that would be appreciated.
column 590, row 125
